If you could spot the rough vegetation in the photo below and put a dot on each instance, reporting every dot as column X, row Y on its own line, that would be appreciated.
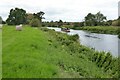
column 101, row 29
column 35, row 23
column 0, row 53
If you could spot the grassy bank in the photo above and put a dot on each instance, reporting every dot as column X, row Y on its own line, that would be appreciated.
column 114, row 30
column 0, row 53
column 101, row 29
column 34, row 53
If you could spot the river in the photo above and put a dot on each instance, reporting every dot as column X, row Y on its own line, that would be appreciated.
column 100, row 42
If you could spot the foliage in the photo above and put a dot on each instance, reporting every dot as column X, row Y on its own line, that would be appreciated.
column 106, row 62
column 35, row 23
column 90, row 20
column 76, row 24
column 17, row 16
column 116, row 22
column 60, row 23
column 35, row 19
column 74, row 37
column 39, row 16
column 1, row 20
column 29, row 17
column 108, row 23
column 94, row 19
column 52, row 24
column 99, row 18
column 101, row 29
column 118, row 32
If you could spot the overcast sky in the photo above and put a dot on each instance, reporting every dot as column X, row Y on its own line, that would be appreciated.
column 67, row 10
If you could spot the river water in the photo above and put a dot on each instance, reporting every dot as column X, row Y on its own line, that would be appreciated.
column 100, row 42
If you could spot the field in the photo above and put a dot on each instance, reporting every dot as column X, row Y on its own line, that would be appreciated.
column 43, row 53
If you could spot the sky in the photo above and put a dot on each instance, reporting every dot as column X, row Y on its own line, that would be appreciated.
column 66, row 10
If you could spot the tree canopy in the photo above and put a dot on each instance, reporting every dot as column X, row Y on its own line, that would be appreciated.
column 39, row 15
column 95, row 19
column 17, row 16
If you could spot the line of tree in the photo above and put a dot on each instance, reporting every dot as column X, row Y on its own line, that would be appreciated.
column 97, row 19
column 53, row 23
column 19, row 16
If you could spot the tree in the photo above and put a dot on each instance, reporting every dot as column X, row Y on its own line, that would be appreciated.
column 95, row 19
column 35, row 22
column 39, row 16
column 60, row 23
column 17, row 16
column 99, row 18
column 108, row 23
column 30, row 17
column 1, row 20
column 90, row 20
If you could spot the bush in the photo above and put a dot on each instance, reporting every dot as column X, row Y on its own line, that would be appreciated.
column 76, row 24
column 118, row 32
column 35, row 23
column 44, row 29
column 119, row 36
column 74, row 37
column 116, row 23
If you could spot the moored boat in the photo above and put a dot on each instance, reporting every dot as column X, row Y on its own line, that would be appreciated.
column 65, row 29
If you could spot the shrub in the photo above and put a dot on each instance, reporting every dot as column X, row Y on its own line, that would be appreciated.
column 35, row 23
column 76, row 24
column 118, row 32
column 116, row 23
column 74, row 37
column 44, row 29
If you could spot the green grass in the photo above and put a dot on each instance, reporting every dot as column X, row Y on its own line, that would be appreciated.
column 34, row 53
column 0, row 53
column 102, row 29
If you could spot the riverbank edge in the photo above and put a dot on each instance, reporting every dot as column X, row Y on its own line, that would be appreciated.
column 100, row 58
column 101, row 29
column 113, row 30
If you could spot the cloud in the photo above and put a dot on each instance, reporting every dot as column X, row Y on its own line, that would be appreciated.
column 67, row 10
